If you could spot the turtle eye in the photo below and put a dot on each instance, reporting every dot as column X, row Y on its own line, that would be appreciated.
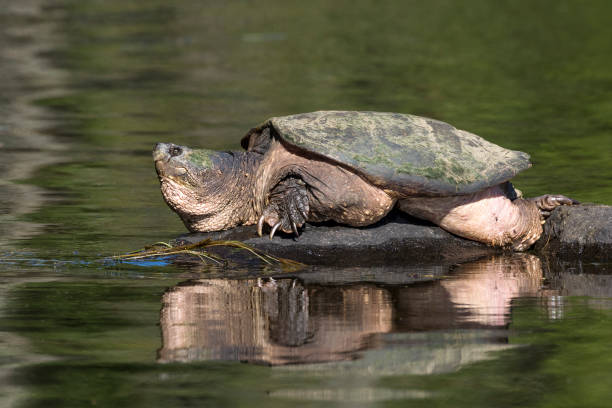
column 175, row 151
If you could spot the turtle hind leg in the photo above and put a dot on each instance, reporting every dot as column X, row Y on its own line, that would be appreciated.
column 548, row 202
column 287, row 208
column 489, row 216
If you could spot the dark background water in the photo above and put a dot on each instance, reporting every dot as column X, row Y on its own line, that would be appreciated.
column 86, row 90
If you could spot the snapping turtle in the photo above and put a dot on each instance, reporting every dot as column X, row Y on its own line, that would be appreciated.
column 353, row 168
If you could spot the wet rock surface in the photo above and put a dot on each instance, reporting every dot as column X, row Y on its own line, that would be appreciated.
column 397, row 239
column 583, row 231
column 580, row 231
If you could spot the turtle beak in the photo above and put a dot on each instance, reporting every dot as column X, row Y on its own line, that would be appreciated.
column 161, row 152
column 160, row 156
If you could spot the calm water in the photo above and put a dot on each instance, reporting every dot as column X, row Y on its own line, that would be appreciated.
column 86, row 90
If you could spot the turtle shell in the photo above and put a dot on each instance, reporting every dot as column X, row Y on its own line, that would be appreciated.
column 411, row 154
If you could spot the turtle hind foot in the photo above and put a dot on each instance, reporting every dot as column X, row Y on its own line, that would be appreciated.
column 287, row 209
column 548, row 202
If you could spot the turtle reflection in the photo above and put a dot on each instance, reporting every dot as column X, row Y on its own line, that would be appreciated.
column 287, row 321
column 270, row 321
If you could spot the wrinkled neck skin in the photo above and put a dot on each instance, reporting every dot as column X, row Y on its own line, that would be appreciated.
column 215, row 198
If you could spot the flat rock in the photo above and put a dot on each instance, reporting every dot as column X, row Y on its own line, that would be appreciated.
column 583, row 231
column 580, row 231
column 397, row 239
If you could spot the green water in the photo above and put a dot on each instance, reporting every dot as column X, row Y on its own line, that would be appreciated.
column 87, row 89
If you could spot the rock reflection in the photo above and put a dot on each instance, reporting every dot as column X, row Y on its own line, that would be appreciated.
column 287, row 321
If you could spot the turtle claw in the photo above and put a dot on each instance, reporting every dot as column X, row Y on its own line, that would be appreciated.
column 548, row 202
column 274, row 228
column 260, row 225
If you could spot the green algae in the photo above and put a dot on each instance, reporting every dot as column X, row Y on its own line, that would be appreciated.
column 201, row 157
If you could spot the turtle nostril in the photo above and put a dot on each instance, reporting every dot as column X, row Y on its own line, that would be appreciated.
column 175, row 151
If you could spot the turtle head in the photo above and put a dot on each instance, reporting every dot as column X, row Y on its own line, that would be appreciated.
column 183, row 165
column 192, row 182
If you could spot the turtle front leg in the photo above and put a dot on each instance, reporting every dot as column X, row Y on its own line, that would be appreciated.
column 287, row 207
